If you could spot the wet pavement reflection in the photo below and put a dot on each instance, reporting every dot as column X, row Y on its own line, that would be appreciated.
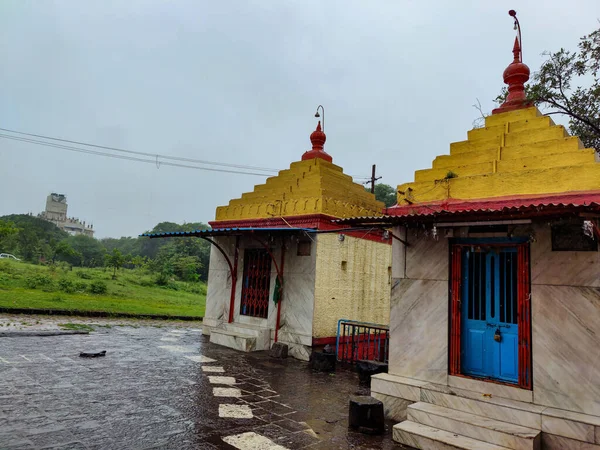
column 166, row 387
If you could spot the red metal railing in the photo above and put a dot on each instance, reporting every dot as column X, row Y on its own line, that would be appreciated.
column 362, row 341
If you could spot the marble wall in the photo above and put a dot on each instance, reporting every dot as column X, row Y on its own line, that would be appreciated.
column 561, row 268
column 419, row 309
column 218, row 290
column 566, row 347
column 565, row 319
column 565, row 296
column 298, row 299
column 419, row 329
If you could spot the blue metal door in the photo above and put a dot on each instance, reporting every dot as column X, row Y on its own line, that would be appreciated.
column 489, row 342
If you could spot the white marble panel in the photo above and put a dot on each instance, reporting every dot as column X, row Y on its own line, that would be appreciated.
column 416, row 435
column 497, row 390
column 235, row 411
column 213, row 369
column 293, row 338
column 396, row 386
column 506, row 412
column 419, row 330
column 562, row 268
column 568, row 428
column 219, row 280
column 200, row 358
column 399, row 252
column 553, row 442
column 301, row 352
column 227, row 392
column 221, row 380
column 394, row 408
column 243, row 343
column 566, row 347
column 298, row 302
column 426, row 258
column 476, row 427
column 252, row 441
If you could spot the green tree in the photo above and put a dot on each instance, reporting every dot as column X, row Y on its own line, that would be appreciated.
column 7, row 228
column 384, row 193
column 187, row 268
column 35, row 238
column 90, row 251
column 8, row 232
column 163, row 252
column 127, row 245
column 568, row 84
column 139, row 261
column 64, row 252
column 115, row 260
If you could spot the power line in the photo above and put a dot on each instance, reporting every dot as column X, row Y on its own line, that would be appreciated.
column 129, row 158
column 156, row 156
column 153, row 155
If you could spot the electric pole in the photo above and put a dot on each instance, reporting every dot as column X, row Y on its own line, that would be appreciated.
column 373, row 179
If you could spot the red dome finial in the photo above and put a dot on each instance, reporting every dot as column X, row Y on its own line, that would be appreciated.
column 317, row 138
column 515, row 75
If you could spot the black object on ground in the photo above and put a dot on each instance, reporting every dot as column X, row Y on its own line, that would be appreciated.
column 366, row 368
column 366, row 414
column 92, row 354
column 279, row 350
column 41, row 333
column 323, row 362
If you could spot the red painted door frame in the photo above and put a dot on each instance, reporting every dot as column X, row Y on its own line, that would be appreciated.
column 524, row 316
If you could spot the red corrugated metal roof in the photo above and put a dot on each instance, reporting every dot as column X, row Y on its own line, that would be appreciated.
column 589, row 200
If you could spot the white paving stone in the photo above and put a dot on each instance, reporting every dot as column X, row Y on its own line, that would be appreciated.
column 235, row 411
column 213, row 369
column 178, row 348
column 252, row 441
column 221, row 380
column 200, row 358
column 226, row 392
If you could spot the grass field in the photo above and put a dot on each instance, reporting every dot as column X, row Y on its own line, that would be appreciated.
column 31, row 286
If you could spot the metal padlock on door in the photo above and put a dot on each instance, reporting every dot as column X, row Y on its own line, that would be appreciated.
column 497, row 335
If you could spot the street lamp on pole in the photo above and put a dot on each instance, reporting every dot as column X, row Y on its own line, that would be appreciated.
column 319, row 115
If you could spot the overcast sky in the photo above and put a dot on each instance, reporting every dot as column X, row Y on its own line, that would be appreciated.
column 238, row 82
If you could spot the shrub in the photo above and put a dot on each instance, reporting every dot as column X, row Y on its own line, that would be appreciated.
column 196, row 288
column 83, row 275
column 80, row 286
column 162, row 279
column 98, row 287
column 66, row 285
column 7, row 267
column 39, row 280
column 147, row 282
column 172, row 285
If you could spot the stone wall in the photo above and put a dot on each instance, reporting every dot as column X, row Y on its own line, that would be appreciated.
column 352, row 282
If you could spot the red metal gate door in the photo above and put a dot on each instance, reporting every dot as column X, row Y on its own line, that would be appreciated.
column 257, row 280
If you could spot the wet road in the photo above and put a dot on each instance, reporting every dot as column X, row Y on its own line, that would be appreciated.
column 168, row 388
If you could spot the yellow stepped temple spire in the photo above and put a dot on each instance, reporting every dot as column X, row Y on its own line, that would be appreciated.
column 518, row 152
column 312, row 186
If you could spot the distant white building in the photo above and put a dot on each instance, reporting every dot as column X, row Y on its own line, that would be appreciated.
column 56, row 212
